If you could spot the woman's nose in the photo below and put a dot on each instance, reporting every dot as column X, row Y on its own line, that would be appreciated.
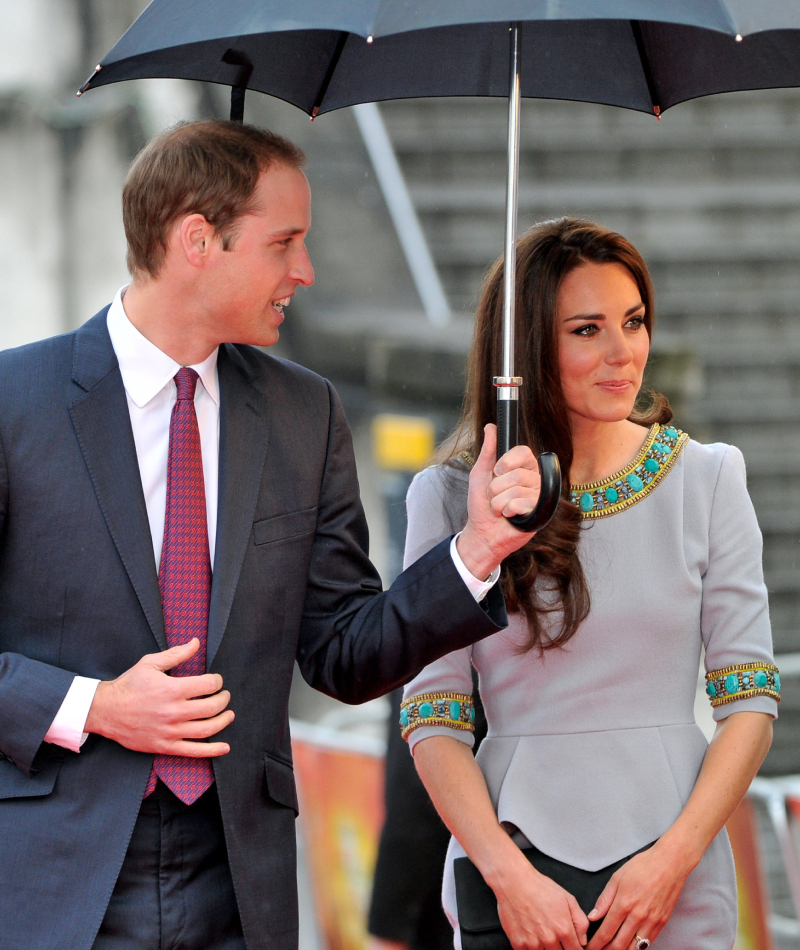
column 619, row 352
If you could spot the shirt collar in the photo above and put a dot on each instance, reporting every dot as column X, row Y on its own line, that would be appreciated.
column 146, row 369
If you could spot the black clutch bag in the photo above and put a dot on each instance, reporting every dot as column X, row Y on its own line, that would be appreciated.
column 477, row 905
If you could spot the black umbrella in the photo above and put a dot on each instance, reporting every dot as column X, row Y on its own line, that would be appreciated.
column 646, row 55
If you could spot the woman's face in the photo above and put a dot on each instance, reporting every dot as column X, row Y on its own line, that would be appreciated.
column 603, row 342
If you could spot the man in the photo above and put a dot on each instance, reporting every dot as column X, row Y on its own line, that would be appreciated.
column 135, row 453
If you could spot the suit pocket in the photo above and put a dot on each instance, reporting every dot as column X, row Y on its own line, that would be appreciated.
column 280, row 781
column 294, row 524
column 15, row 784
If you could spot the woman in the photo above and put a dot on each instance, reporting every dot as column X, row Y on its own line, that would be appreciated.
column 592, row 753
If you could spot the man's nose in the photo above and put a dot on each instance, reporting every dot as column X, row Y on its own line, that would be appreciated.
column 302, row 269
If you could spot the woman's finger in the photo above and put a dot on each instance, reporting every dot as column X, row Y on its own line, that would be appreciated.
column 579, row 920
column 604, row 901
column 607, row 931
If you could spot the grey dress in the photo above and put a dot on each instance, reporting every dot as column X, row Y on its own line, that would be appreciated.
column 592, row 749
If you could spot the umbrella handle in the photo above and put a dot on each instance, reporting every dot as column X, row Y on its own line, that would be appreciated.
column 549, row 469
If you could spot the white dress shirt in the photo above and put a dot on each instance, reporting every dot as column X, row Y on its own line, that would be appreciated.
column 148, row 377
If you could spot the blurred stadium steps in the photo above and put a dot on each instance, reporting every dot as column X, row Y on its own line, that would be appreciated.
column 711, row 196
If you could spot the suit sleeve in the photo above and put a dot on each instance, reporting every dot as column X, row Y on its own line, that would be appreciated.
column 356, row 642
column 31, row 692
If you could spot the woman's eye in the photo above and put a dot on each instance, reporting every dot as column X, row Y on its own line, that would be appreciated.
column 636, row 322
column 588, row 329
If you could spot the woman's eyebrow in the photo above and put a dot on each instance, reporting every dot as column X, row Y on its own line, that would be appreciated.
column 601, row 316
column 583, row 317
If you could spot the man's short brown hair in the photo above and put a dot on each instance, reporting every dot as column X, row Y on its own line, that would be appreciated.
column 209, row 168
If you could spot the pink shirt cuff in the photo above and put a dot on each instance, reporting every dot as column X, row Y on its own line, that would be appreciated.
column 478, row 589
column 67, row 728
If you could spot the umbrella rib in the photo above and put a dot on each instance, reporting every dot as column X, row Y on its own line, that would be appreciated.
column 329, row 74
column 636, row 27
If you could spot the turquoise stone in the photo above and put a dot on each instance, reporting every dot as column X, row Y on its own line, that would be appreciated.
column 404, row 717
column 426, row 710
column 635, row 482
column 670, row 433
column 711, row 689
column 652, row 465
column 471, row 714
column 455, row 711
column 587, row 502
column 777, row 682
column 732, row 683
column 663, row 449
column 746, row 680
column 761, row 678
column 612, row 496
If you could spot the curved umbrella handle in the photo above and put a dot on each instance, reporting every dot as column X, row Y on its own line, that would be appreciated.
column 549, row 468
column 549, row 496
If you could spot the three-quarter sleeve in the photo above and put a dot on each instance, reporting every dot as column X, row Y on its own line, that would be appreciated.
column 439, row 700
column 741, row 672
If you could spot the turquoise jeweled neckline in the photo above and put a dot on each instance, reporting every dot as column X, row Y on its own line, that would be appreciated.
column 631, row 484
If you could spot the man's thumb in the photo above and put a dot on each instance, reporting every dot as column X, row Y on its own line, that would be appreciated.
column 488, row 455
column 168, row 659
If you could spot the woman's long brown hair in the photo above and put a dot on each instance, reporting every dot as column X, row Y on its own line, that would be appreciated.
column 544, row 577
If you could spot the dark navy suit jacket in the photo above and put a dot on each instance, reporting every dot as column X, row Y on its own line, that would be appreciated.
column 79, row 595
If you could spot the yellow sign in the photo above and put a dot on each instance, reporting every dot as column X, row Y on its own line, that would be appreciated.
column 402, row 443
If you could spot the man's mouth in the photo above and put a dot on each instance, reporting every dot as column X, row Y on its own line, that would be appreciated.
column 280, row 304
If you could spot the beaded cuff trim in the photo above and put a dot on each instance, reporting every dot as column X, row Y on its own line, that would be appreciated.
column 454, row 710
column 743, row 681
column 631, row 484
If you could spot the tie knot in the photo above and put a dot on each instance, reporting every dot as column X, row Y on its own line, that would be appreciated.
column 186, row 381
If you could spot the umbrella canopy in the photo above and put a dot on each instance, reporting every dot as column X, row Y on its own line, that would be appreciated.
column 646, row 55
column 639, row 54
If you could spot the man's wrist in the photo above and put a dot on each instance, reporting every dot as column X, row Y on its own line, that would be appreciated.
column 478, row 559
column 95, row 721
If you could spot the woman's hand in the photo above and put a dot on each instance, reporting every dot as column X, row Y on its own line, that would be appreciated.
column 536, row 913
column 639, row 898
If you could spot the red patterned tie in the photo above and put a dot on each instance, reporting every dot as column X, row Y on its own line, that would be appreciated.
column 184, row 577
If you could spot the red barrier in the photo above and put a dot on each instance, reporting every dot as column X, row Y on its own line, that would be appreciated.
column 341, row 809
column 753, row 932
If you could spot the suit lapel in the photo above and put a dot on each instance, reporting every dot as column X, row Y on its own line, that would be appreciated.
column 102, row 424
column 244, row 434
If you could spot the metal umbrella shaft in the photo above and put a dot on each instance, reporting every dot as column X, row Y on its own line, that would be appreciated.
column 507, row 385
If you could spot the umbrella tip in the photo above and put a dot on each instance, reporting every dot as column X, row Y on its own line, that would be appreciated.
column 739, row 37
column 657, row 111
column 85, row 86
column 314, row 113
column 370, row 38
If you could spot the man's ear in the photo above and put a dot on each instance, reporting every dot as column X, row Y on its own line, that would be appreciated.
column 195, row 237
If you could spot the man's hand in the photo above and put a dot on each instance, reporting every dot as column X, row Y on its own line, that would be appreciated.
column 497, row 490
column 148, row 711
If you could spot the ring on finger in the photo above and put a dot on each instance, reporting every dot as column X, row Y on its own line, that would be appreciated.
column 641, row 943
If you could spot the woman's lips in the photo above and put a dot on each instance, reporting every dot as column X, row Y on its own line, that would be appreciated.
column 615, row 386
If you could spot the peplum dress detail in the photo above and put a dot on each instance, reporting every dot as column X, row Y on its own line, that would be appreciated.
column 592, row 749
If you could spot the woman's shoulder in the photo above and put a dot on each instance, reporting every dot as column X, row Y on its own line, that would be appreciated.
column 441, row 482
column 705, row 462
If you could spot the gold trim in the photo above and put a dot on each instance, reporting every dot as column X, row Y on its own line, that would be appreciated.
column 741, row 668
column 745, row 694
column 578, row 489
column 463, row 698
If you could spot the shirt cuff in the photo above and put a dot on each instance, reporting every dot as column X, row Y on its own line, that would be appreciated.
column 66, row 729
column 478, row 589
